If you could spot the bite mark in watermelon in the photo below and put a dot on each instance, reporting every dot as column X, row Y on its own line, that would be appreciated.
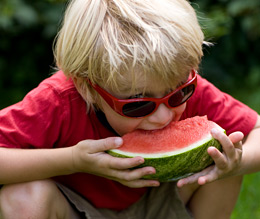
column 176, row 151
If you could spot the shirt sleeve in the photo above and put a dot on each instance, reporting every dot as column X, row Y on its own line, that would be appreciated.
column 229, row 113
column 34, row 122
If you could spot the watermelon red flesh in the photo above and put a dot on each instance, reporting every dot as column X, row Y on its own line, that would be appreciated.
column 176, row 135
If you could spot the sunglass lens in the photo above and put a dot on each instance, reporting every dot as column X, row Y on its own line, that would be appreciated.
column 181, row 96
column 138, row 109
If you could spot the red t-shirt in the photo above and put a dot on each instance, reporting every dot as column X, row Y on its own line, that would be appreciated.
column 54, row 115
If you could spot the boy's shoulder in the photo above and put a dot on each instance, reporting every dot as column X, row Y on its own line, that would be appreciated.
column 56, row 95
column 59, row 82
column 57, row 88
column 220, row 107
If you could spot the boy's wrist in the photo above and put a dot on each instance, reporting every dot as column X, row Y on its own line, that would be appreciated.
column 66, row 162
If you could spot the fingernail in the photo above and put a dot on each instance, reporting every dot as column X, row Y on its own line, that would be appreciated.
column 156, row 184
column 151, row 172
column 140, row 161
column 214, row 131
column 118, row 142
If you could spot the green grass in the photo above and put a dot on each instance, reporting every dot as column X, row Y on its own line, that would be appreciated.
column 248, row 203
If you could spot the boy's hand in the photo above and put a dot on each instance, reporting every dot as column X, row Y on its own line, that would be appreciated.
column 227, row 163
column 89, row 156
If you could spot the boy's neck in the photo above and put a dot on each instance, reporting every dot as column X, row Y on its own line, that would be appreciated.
column 103, row 120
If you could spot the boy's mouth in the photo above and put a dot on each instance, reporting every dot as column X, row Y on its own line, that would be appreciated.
column 159, row 127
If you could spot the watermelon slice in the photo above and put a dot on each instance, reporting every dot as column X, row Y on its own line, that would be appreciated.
column 176, row 151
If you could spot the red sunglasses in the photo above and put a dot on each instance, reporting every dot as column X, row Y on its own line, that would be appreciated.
column 141, row 107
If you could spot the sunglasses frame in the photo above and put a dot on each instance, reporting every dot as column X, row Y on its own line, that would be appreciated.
column 117, row 104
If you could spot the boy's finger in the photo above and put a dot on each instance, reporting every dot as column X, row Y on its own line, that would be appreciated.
column 194, row 178
column 124, row 163
column 212, row 176
column 131, row 175
column 236, row 138
column 102, row 145
column 226, row 143
column 188, row 180
column 141, row 183
column 219, row 159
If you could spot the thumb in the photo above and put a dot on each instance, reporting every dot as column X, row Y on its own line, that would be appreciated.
column 236, row 137
column 102, row 145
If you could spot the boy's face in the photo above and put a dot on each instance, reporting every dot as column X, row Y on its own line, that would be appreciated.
column 157, row 120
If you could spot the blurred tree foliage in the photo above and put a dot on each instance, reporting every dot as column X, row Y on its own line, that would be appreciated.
column 233, row 62
column 27, row 30
column 28, row 27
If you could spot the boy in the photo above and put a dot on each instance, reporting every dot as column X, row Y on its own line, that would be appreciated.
column 52, row 157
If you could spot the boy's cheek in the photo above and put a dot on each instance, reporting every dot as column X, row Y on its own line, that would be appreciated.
column 120, row 124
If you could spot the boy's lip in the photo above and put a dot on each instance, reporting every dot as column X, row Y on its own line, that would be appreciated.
column 175, row 119
column 158, row 128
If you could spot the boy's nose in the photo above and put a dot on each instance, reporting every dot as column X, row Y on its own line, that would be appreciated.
column 162, row 116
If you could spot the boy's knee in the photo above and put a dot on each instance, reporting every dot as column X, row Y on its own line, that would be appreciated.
column 27, row 200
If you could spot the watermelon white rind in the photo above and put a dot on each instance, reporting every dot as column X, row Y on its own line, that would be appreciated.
column 176, row 164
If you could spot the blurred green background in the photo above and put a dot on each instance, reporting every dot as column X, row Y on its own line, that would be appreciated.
column 28, row 27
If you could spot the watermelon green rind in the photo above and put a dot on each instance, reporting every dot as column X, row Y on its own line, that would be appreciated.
column 178, row 165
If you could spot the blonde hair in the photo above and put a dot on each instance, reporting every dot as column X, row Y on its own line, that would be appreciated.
column 108, row 40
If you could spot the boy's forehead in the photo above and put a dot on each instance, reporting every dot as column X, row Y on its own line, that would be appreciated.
column 140, row 80
column 152, row 82
column 151, row 85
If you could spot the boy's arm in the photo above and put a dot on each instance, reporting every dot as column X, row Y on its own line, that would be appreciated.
column 251, row 151
column 89, row 156
column 21, row 165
